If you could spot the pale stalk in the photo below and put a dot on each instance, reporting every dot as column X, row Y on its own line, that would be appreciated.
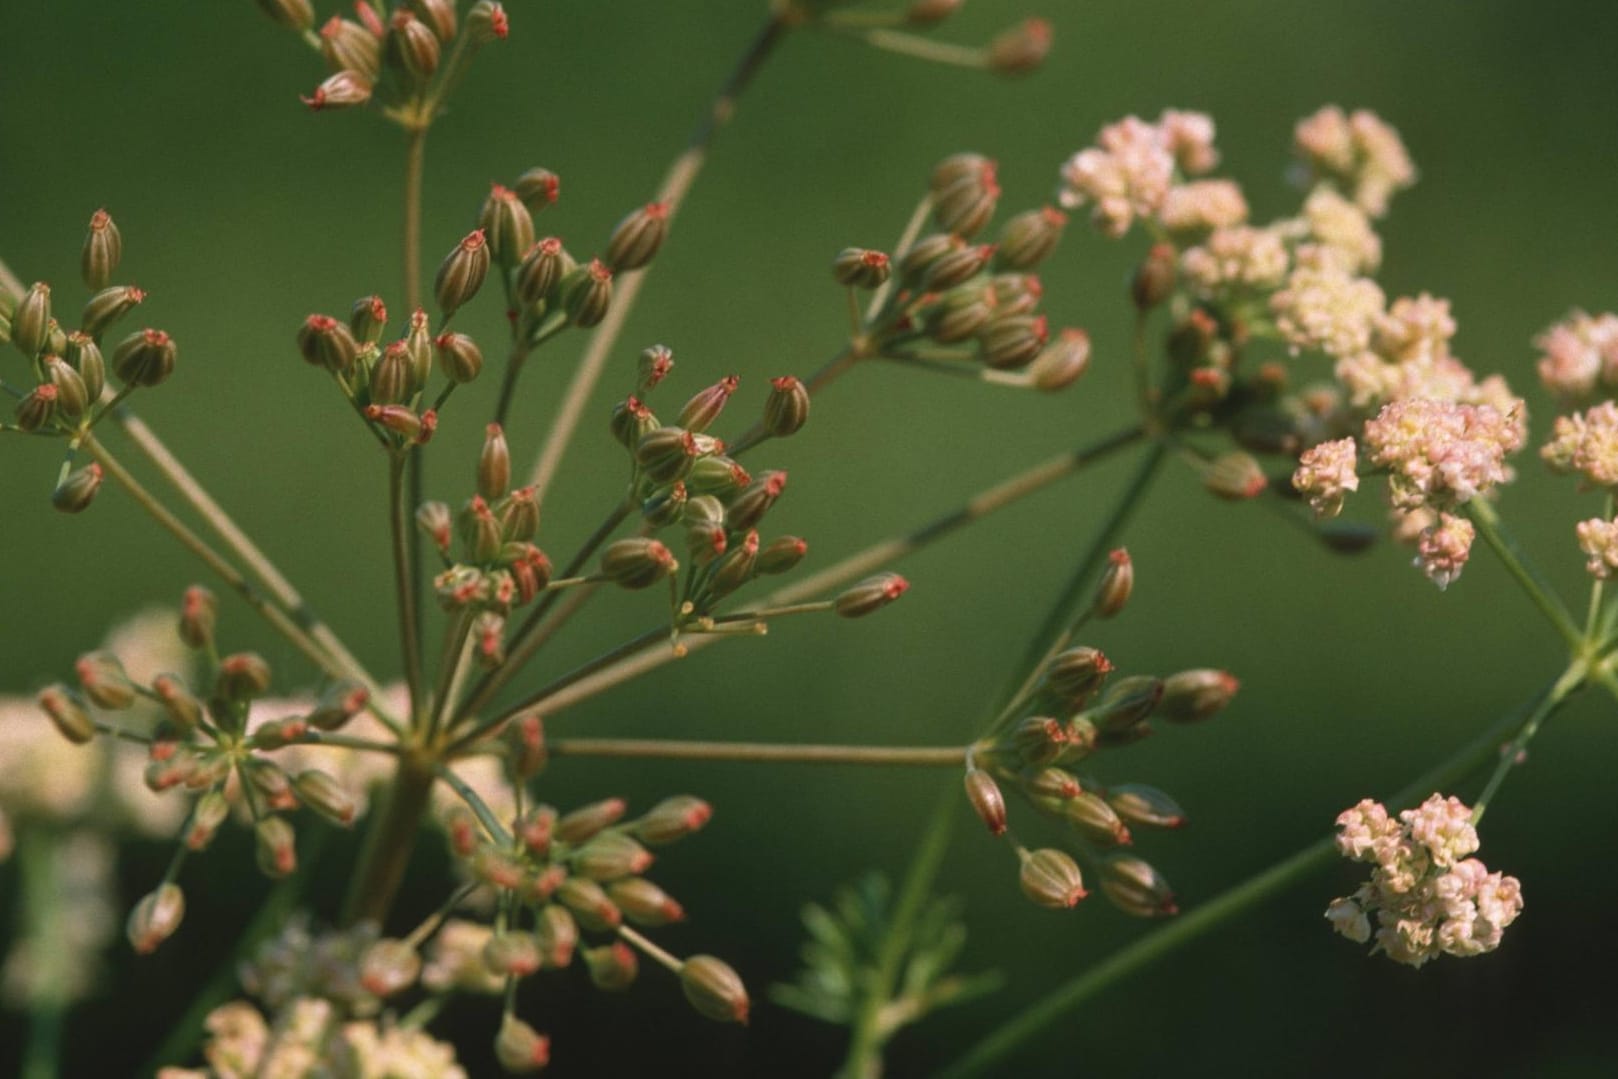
column 988, row 1055
column 755, row 752
column 676, row 184
column 399, row 519
column 939, row 52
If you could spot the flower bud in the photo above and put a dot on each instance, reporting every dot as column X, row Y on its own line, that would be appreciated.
column 612, row 966
column 987, row 801
column 389, row 966
column 480, row 531
column 918, row 259
column 519, row 1047
column 869, row 595
column 586, row 821
column 507, row 224
column 494, row 464
column 412, row 47
column 781, row 555
column 644, row 903
column 665, row 506
column 716, row 474
column 419, row 343
column 1050, row 785
column 37, row 408
column 512, row 955
column 637, row 237
column 72, row 397
column 325, row 795
column 103, row 248
column 325, row 342
column 1153, row 281
column 557, row 934
column 543, row 265
column 75, row 493
column 144, row 358
column 735, row 567
column 786, row 409
column 1073, row 675
column 434, row 520
column 638, row 562
column 714, row 989
column 1116, row 584
column 31, row 322
column 348, row 46
column 859, row 267
column 487, row 22
column 672, row 819
column 665, row 454
column 367, row 319
column 275, row 846
column 402, row 421
column 1095, row 820
column 963, row 314
column 104, row 680
column 1137, row 803
column 1235, row 476
column 1029, row 238
column 243, row 675
column 957, row 266
column 1135, row 887
column 85, row 357
column 519, row 519
column 292, row 14
column 198, row 615
column 704, row 407
column 1194, row 695
column 67, row 712
column 392, row 377
column 750, row 506
column 586, row 293
column 1063, row 362
column 207, row 815
column 155, row 918
column 489, row 640
column 1010, row 342
column 439, row 15
column 1038, row 740
column 967, row 203
column 461, row 273
column 343, row 90
column 184, row 710
column 1020, row 49
column 589, row 904
column 1051, row 878
column 538, row 188
column 341, row 702
column 1128, row 703
column 103, row 309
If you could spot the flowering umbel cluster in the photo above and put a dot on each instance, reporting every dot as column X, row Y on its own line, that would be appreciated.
column 1428, row 897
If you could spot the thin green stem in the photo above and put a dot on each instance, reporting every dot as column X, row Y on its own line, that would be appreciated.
column 865, row 1044
column 451, row 668
column 1527, row 577
column 404, row 584
column 665, row 959
column 901, row 248
column 755, row 752
column 476, row 804
column 1512, row 755
column 508, row 385
column 828, row 373
column 1592, row 618
column 677, row 181
column 939, row 52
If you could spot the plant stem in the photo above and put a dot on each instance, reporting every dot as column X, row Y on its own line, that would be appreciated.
column 671, row 962
column 233, row 577
column 865, row 1045
column 756, row 752
column 404, row 584
column 987, row 1055
column 682, row 172
column 390, row 840
column 1569, row 683
column 941, row 52
column 1529, row 579
column 879, row 554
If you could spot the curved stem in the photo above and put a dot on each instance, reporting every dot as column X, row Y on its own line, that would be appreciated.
column 987, row 1056
column 1569, row 683
column 1528, row 578
column 676, row 184
column 755, row 752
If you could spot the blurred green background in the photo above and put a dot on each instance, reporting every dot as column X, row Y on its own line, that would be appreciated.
column 241, row 213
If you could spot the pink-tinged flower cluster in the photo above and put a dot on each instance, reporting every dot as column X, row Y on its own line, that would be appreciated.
column 1598, row 539
column 1441, row 454
column 1325, row 306
column 1578, row 353
column 1359, row 153
column 1586, row 443
column 1427, row 896
column 1341, row 225
column 1203, row 205
column 1130, row 170
column 1233, row 259
column 1442, row 550
column 1326, row 473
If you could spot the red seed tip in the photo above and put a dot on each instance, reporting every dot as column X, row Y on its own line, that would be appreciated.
column 896, row 585
column 785, row 383
column 776, row 483
column 874, row 259
column 598, row 270
column 657, row 211
column 320, row 323
column 1053, row 216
